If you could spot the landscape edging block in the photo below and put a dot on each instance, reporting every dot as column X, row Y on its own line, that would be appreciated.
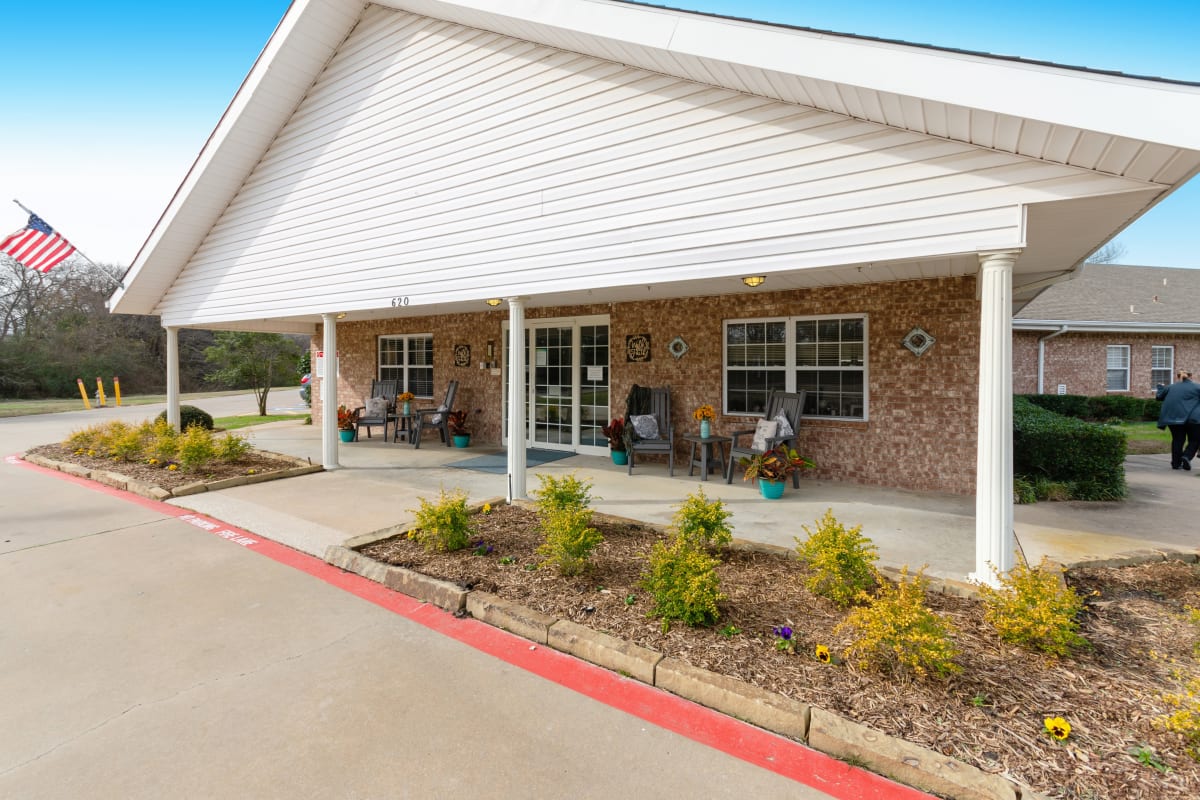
column 604, row 650
column 903, row 761
column 734, row 697
column 443, row 594
column 509, row 616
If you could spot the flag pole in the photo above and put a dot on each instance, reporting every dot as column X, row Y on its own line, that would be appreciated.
column 77, row 252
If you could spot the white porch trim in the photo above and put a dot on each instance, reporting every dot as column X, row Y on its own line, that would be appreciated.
column 329, row 426
column 173, row 416
column 516, row 398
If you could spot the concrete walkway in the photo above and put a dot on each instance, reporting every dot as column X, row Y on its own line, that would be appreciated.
column 379, row 483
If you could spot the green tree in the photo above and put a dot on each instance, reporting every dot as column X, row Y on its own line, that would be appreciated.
column 252, row 360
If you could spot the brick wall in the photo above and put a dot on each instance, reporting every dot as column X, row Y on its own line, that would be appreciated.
column 921, row 432
column 1079, row 360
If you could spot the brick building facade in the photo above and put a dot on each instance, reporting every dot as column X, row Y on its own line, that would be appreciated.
column 920, row 430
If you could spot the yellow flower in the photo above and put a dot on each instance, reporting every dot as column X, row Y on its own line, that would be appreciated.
column 487, row 508
column 91, row 452
column 153, row 461
column 823, row 654
column 1058, row 727
column 704, row 412
column 173, row 467
column 250, row 471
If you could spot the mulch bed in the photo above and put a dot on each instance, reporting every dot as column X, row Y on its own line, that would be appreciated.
column 991, row 715
column 161, row 475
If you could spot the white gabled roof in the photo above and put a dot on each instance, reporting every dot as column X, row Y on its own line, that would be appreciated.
column 1132, row 127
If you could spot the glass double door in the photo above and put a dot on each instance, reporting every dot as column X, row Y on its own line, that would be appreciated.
column 566, row 384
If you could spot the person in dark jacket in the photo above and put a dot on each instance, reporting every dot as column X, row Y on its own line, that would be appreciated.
column 1181, row 413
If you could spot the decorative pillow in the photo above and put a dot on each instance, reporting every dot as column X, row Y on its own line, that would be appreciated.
column 437, row 418
column 765, row 430
column 785, row 427
column 645, row 425
column 376, row 407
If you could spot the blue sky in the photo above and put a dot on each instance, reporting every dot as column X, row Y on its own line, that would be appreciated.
column 109, row 106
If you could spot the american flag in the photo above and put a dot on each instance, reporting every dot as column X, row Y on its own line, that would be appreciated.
column 37, row 246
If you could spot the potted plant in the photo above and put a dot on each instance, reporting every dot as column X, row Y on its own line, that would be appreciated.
column 347, row 419
column 772, row 468
column 615, row 433
column 457, row 420
column 705, row 414
column 405, row 401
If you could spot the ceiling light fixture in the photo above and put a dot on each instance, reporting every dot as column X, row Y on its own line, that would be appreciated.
column 493, row 301
column 342, row 315
column 754, row 280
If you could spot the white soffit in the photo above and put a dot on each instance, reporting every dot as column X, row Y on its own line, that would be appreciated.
column 988, row 101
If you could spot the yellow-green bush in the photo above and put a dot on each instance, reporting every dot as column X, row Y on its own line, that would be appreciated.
column 841, row 562
column 1035, row 609
column 565, row 492
column 232, row 447
column 703, row 522
column 1185, row 719
column 444, row 525
column 683, row 581
column 569, row 539
column 163, row 444
column 195, row 448
column 898, row 633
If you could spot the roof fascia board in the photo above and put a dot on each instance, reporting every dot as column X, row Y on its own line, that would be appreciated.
column 1100, row 326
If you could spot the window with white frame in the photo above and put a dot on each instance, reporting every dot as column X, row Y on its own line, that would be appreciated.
column 409, row 360
column 1118, row 368
column 826, row 357
column 1162, row 364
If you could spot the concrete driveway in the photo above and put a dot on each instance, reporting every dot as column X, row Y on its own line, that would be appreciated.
column 142, row 657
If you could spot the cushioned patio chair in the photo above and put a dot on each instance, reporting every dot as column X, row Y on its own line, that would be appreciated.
column 429, row 419
column 651, row 432
column 378, row 409
column 781, row 407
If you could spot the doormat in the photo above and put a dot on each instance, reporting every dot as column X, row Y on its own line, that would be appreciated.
column 497, row 463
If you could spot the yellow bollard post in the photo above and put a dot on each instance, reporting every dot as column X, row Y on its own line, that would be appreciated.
column 117, row 389
column 83, row 394
column 100, row 399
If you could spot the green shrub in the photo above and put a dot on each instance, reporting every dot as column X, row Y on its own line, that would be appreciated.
column 444, row 525
column 682, row 580
column 195, row 448
column 189, row 416
column 569, row 539
column 1089, row 458
column 1097, row 408
column 841, row 563
column 232, row 447
column 703, row 522
column 1024, row 491
column 898, row 633
column 163, row 443
column 560, row 493
column 1034, row 608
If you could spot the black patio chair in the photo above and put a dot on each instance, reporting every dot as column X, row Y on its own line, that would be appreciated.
column 429, row 419
column 373, row 413
column 662, row 442
column 791, row 406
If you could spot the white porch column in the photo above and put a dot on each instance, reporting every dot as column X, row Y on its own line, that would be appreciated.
column 173, row 376
column 994, row 541
column 329, row 403
column 516, row 398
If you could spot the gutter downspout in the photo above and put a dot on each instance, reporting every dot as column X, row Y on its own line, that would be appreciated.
column 1042, row 356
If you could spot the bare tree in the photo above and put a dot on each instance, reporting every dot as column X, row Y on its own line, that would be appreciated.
column 1111, row 253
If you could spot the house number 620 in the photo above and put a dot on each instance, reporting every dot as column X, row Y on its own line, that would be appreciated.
column 399, row 301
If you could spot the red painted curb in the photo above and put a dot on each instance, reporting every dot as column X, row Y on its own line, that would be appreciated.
column 738, row 739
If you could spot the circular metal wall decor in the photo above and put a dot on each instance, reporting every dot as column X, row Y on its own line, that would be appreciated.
column 462, row 355
column 918, row 341
column 677, row 347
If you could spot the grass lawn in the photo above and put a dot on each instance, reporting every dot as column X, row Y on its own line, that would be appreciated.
column 1145, row 438
column 233, row 423
column 21, row 408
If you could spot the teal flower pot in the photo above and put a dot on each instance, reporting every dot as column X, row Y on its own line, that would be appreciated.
column 772, row 490
column 346, row 436
column 620, row 457
column 461, row 440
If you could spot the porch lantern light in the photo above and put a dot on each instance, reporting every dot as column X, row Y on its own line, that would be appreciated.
column 493, row 301
column 754, row 280
column 342, row 315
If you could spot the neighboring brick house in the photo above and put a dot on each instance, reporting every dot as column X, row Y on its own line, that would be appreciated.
column 1110, row 329
column 660, row 197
